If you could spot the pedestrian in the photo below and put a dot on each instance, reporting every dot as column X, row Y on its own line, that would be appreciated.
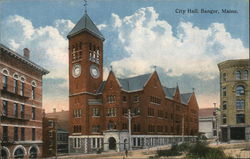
column 126, row 152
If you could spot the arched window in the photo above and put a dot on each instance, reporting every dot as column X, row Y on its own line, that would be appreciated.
column 240, row 104
column 237, row 75
column 245, row 75
column 19, row 153
column 33, row 152
column 240, row 90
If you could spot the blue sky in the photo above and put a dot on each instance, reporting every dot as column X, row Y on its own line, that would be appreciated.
column 135, row 31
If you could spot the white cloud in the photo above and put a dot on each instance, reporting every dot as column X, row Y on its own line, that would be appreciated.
column 48, row 44
column 150, row 41
column 101, row 26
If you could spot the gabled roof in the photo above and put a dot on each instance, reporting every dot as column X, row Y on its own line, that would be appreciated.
column 100, row 89
column 185, row 97
column 17, row 56
column 169, row 92
column 86, row 24
column 134, row 83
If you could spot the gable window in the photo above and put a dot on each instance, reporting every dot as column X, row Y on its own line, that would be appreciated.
column 240, row 118
column 237, row 75
column 96, row 112
column 136, row 98
column 240, row 90
column 5, row 108
column 240, row 104
column 245, row 75
column 111, row 99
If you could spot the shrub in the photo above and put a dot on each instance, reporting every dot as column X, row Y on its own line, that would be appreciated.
column 173, row 151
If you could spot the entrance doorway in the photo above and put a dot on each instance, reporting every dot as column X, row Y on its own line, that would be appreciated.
column 125, row 144
column 4, row 154
column 224, row 134
column 112, row 143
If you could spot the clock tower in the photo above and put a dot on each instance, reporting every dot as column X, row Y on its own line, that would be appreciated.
column 85, row 71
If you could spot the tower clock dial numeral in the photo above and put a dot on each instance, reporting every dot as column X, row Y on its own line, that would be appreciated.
column 76, row 71
column 94, row 71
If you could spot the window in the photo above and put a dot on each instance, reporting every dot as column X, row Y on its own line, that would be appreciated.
column 160, row 113
column 224, row 77
column 112, row 112
column 5, row 133
column 15, row 110
column 240, row 90
column 96, row 112
column 124, row 126
column 15, row 85
column 33, row 113
column 22, row 89
column 240, row 118
column 77, row 129
column 33, row 92
column 33, row 134
column 5, row 82
column 151, row 128
column 136, row 111
column 150, row 112
column 136, row 128
column 51, row 123
column 96, row 128
column 15, row 133
column 77, row 113
column 224, row 119
column 124, row 98
column 111, row 125
column 237, row 75
column 22, row 111
column 77, row 142
column 5, row 108
column 240, row 104
column 111, row 99
column 245, row 75
column 22, row 134
column 155, row 100
column 136, row 98
column 224, row 105
column 224, row 91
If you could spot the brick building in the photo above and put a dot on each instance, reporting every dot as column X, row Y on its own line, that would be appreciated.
column 98, row 109
column 235, row 100
column 21, row 105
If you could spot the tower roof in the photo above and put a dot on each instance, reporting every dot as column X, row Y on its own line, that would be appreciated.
column 86, row 24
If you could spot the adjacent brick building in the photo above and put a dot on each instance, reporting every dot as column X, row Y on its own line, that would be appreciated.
column 98, row 109
column 235, row 100
column 20, row 105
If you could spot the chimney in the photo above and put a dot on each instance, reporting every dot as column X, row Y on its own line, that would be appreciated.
column 54, row 110
column 26, row 53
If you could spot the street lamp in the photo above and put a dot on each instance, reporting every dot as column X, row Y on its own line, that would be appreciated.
column 129, row 116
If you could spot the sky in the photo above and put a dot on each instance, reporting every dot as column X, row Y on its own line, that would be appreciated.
column 139, row 34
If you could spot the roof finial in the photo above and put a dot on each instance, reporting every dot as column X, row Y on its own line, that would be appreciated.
column 85, row 6
column 193, row 89
column 111, row 68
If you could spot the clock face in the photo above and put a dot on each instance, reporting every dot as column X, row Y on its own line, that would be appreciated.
column 76, row 71
column 94, row 71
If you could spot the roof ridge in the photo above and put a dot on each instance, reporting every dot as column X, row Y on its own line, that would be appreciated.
column 134, row 76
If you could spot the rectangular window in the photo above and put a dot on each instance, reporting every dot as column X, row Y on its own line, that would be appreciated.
column 96, row 128
column 5, row 133
column 77, row 142
column 15, row 86
column 22, row 111
column 240, row 118
column 224, row 105
column 22, row 89
column 124, row 98
column 51, row 123
column 5, row 108
column 15, row 133
column 77, row 113
column 240, row 104
column 33, row 113
column 224, row 91
column 33, row 92
column 112, row 112
column 15, row 110
column 33, row 134
column 5, row 82
column 96, row 112
column 155, row 100
column 136, row 98
column 111, row 99
column 22, row 134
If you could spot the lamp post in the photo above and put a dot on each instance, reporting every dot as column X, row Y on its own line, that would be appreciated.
column 129, row 116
